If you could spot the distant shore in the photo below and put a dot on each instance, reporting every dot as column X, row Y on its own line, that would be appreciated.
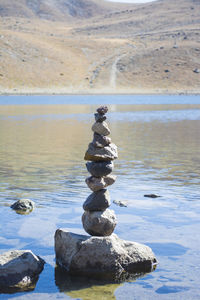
column 66, row 91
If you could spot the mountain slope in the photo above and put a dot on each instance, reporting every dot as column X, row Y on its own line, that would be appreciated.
column 56, row 10
column 103, row 48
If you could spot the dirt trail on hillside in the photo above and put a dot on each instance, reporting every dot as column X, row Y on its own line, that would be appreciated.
column 113, row 72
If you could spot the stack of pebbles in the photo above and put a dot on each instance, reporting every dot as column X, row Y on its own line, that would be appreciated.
column 103, row 254
column 97, row 219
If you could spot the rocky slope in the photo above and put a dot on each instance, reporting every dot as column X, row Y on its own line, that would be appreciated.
column 56, row 10
column 99, row 47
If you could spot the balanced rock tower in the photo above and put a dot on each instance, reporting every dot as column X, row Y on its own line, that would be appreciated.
column 97, row 219
column 102, row 254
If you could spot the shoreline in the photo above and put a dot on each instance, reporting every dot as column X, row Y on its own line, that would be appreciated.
column 77, row 92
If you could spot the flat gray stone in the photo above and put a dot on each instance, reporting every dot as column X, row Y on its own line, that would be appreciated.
column 97, row 201
column 105, row 256
column 100, row 169
column 100, row 140
column 99, row 183
column 101, row 154
column 19, row 269
column 99, row 223
column 101, row 128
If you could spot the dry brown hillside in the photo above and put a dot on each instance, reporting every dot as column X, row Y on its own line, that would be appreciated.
column 93, row 46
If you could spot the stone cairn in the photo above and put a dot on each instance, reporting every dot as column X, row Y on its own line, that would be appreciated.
column 102, row 255
column 97, row 219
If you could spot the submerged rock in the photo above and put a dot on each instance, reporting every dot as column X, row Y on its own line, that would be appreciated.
column 100, row 169
column 152, row 196
column 19, row 269
column 120, row 203
column 106, row 256
column 98, row 201
column 101, row 154
column 101, row 128
column 23, row 205
column 99, row 223
column 99, row 183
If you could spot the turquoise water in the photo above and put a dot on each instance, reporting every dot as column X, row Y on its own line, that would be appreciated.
column 42, row 144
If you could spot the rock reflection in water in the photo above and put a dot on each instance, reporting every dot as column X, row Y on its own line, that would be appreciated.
column 89, row 288
column 19, row 289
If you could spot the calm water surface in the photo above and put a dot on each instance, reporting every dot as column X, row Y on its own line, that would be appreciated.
column 42, row 145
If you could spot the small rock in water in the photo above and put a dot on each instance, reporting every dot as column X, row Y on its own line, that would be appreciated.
column 23, row 205
column 101, row 128
column 101, row 154
column 100, row 169
column 97, row 201
column 99, row 118
column 120, row 203
column 101, row 140
column 99, row 183
column 102, row 110
column 98, row 223
column 196, row 70
column 152, row 196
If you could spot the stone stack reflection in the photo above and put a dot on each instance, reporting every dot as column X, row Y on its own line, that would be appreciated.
column 97, row 219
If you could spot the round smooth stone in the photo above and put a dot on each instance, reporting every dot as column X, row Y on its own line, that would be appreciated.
column 101, row 128
column 100, row 169
column 98, row 223
column 99, row 183
column 97, row 201
column 100, row 140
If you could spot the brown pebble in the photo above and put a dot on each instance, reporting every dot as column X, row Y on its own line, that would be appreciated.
column 102, row 110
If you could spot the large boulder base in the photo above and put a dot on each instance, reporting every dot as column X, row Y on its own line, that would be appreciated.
column 99, row 223
column 109, row 257
column 19, row 269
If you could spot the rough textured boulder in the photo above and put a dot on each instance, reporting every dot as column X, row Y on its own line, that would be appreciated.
column 107, row 256
column 19, row 269
column 98, row 201
column 101, row 128
column 99, row 183
column 99, row 223
column 101, row 154
column 99, row 169
column 23, row 205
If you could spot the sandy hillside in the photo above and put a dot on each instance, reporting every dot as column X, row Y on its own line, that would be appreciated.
column 99, row 47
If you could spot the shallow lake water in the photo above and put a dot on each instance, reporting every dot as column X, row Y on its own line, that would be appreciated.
column 42, row 143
